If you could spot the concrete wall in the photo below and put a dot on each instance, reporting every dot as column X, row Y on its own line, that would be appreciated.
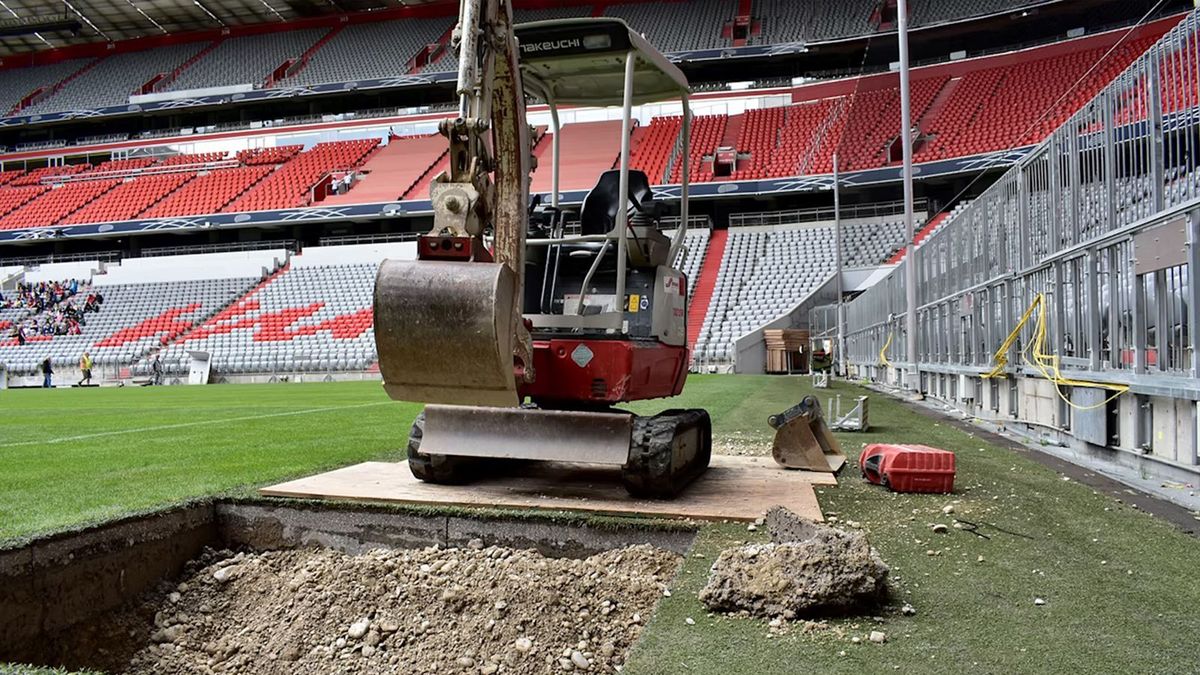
column 1157, row 436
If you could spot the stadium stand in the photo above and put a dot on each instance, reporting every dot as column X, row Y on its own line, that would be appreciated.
column 197, row 158
column 1011, row 106
column 289, row 185
column 784, row 21
column 16, row 84
column 370, row 50
column 114, row 166
column 314, row 316
column 943, row 11
column 394, row 171
column 36, row 176
column 13, row 198
column 128, row 199
column 147, row 302
column 969, row 108
column 55, row 204
column 276, row 155
column 588, row 148
column 707, row 131
column 763, row 272
column 871, row 243
column 207, row 193
column 654, row 146
column 766, row 270
column 673, row 29
column 548, row 13
column 113, row 79
column 245, row 60
column 390, row 48
column 695, row 244
column 6, row 176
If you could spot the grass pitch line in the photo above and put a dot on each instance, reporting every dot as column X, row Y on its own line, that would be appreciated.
column 183, row 425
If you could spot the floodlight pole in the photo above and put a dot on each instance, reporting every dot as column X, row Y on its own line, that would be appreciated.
column 840, row 344
column 910, row 265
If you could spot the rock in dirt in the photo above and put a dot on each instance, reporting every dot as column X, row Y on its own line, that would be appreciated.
column 809, row 570
column 878, row 637
column 225, row 574
column 378, row 612
column 358, row 628
column 908, row 610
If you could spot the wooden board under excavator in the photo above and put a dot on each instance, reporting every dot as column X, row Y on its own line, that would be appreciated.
column 733, row 488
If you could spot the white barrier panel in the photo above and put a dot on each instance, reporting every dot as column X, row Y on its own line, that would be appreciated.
column 190, row 93
column 193, row 267
column 353, row 254
column 200, row 368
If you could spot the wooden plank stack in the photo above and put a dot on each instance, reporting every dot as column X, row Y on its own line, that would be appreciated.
column 787, row 350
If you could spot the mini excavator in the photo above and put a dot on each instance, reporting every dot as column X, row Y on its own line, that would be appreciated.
column 519, row 338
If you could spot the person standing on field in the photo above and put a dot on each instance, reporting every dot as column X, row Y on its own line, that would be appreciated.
column 47, row 373
column 85, row 366
column 156, row 368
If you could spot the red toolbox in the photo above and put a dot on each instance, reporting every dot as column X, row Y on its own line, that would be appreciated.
column 908, row 468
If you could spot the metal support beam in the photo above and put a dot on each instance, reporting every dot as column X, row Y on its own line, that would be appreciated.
column 1162, row 320
column 623, row 187
column 910, row 269
column 1091, row 271
column 1054, row 180
column 1139, row 324
column 840, row 363
column 1107, row 100
column 1193, row 292
column 1074, row 225
column 1155, row 117
column 1057, row 307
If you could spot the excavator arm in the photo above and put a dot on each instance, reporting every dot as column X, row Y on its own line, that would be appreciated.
column 448, row 325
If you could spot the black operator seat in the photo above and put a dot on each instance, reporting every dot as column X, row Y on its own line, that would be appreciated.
column 647, row 246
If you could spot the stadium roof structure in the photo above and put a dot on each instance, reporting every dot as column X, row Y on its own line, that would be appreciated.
column 113, row 20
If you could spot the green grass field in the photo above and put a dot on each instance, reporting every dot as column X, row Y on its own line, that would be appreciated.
column 1118, row 585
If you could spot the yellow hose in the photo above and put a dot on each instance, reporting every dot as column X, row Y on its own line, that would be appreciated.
column 1047, row 365
column 883, row 352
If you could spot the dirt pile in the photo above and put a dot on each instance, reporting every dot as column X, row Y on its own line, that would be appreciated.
column 474, row 610
column 808, row 570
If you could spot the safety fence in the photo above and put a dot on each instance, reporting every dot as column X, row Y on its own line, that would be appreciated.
column 1078, row 261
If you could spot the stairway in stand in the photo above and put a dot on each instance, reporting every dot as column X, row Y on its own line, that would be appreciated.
column 707, row 281
column 920, row 235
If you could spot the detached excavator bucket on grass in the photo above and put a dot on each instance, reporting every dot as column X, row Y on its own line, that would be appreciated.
column 443, row 332
column 803, row 440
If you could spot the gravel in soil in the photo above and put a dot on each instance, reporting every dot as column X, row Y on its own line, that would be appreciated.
column 471, row 610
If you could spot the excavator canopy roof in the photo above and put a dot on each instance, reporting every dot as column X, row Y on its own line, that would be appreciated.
column 582, row 62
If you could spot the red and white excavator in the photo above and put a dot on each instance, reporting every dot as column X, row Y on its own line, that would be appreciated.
column 520, row 339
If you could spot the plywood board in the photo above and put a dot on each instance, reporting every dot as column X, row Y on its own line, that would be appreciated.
column 734, row 488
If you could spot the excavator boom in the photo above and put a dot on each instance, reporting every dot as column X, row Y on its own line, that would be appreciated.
column 448, row 325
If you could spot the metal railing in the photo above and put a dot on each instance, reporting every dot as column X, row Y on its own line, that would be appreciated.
column 343, row 240
column 287, row 244
column 1101, row 219
column 34, row 260
column 823, row 214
